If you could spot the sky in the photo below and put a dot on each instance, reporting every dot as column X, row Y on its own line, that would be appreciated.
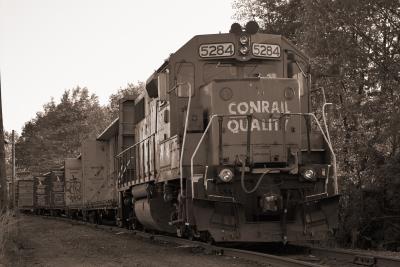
column 48, row 46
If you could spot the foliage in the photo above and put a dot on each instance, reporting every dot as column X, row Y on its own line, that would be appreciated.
column 58, row 131
column 355, row 55
column 131, row 89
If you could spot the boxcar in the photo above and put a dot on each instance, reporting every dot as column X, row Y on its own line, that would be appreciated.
column 73, row 186
column 25, row 194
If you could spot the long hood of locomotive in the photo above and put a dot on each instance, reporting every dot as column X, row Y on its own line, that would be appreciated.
column 272, row 104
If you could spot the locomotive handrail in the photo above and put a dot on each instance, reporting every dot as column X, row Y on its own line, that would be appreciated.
column 336, row 188
column 122, row 167
column 184, row 138
column 204, row 134
column 326, row 138
column 312, row 115
column 134, row 145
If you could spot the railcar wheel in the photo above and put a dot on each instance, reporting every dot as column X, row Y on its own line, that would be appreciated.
column 119, row 222
column 205, row 236
column 136, row 225
column 92, row 217
column 100, row 218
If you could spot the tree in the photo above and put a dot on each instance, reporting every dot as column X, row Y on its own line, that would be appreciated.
column 3, row 175
column 130, row 89
column 361, row 39
column 58, row 131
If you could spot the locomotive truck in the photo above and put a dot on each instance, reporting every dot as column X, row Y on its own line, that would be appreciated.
column 223, row 145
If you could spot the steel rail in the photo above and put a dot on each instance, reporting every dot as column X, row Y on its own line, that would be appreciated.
column 263, row 258
column 339, row 256
column 354, row 257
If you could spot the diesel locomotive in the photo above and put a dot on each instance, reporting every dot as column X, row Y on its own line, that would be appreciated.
column 223, row 145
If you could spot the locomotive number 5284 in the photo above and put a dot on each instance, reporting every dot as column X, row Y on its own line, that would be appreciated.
column 217, row 50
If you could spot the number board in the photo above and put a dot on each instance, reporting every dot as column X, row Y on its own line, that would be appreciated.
column 217, row 50
column 266, row 50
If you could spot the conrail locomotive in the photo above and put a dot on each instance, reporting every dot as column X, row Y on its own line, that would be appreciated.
column 222, row 145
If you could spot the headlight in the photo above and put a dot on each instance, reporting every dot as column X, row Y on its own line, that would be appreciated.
column 309, row 174
column 243, row 39
column 244, row 50
column 225, row 175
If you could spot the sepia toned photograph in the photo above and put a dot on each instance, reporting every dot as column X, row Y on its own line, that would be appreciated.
column 205, row 133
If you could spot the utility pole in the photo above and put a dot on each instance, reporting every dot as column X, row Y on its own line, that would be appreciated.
column 13, row 188
column 3, row 176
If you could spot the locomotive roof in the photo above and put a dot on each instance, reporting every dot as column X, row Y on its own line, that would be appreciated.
column 208, row 38
column 189, row 51
column 109, row 132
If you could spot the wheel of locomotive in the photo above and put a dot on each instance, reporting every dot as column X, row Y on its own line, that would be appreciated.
column 119, row 222
column 100, row 217
column 92, row 217
column 180, row 231
column 192, row 234
column 136, row 225
column 206, row 237
column 85, row 215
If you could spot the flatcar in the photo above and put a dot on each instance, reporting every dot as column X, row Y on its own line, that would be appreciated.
column 223, row 145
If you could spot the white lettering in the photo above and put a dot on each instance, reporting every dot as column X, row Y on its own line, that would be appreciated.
column 230, row 107
column 233, row 126
column 265, row 106
column 255, row 124
column 243, row 108
column 243, row 125
column 275, row 107
column 264, row 125
column 255, row 108
column 250, row 107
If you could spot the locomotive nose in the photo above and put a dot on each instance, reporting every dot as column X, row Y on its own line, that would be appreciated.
column 258, row 120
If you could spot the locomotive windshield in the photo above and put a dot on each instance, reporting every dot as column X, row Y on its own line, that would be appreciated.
column 231, row 70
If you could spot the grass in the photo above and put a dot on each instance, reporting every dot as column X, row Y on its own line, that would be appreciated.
column 8, row 233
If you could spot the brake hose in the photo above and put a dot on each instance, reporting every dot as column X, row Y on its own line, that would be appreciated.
column 257, row 184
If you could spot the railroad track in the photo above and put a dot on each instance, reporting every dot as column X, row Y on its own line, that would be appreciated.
column 355, row 258
column 320, row 257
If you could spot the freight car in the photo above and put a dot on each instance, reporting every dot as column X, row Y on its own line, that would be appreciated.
column 49, row 193
column 90, row 190
column 90, row 179
column 85, row 187
column 226, row 147
column 24, row 194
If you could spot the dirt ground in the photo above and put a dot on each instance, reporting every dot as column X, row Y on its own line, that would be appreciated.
column 49, row 242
